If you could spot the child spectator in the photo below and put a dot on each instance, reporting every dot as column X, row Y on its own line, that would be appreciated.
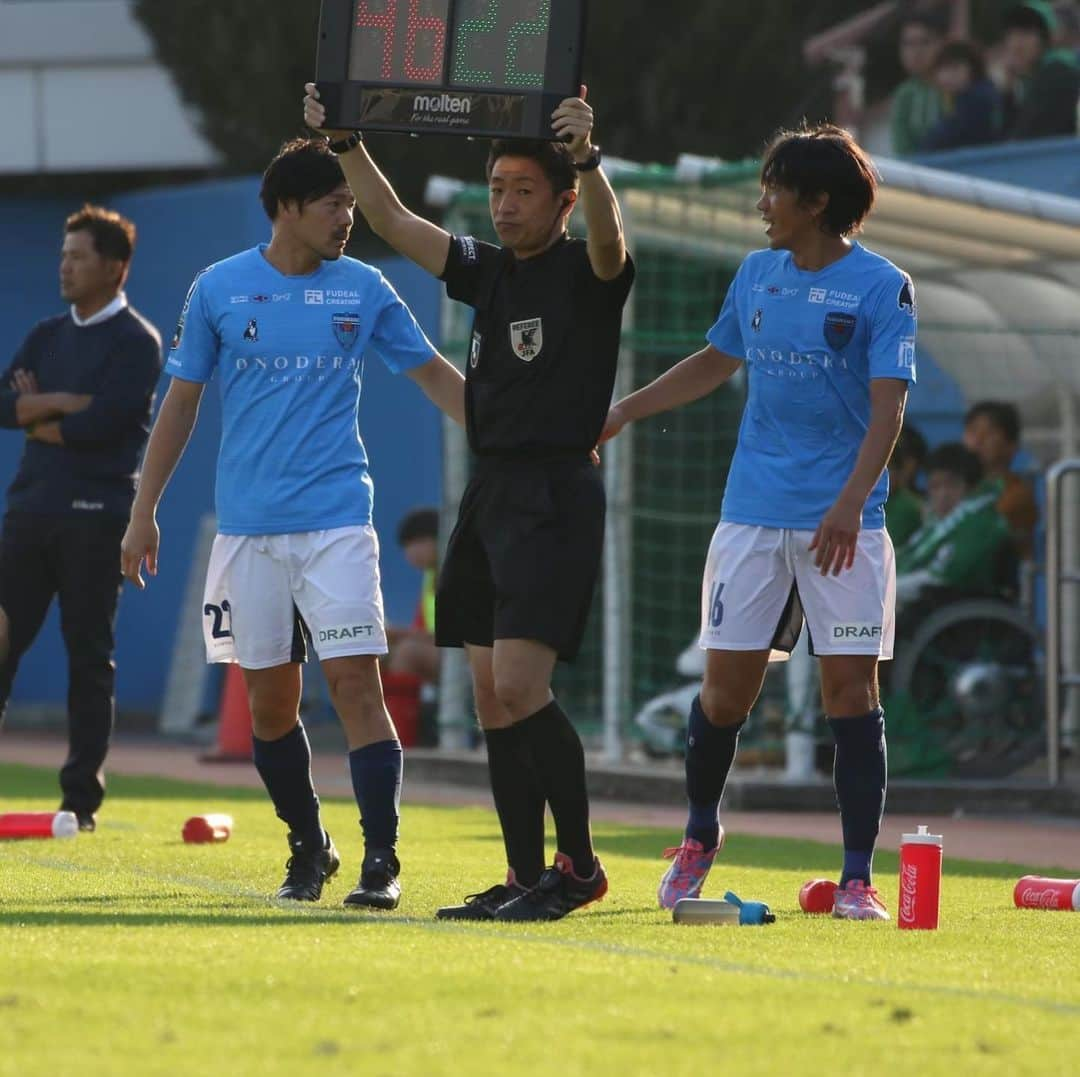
column 992, row 432
column 916, row 105
column 1043, row 82
column 904, row 507
column 961, row 544
column 971, row 103
column 412, row 649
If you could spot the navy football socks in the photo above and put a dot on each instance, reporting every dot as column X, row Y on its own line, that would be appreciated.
column 376, row 779
column 710, row 751
column 859, row 778
column 285, row 768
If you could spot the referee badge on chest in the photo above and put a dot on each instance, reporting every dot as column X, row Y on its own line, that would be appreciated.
column 527, row 338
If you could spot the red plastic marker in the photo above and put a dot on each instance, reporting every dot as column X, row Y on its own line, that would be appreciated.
column 207, row 828
column 38, row 824
column 817, row 895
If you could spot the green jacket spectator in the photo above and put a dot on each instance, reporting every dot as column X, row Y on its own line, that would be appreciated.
column 916, row 110
column 903, row 515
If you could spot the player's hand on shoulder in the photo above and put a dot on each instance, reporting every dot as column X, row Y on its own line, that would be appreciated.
column 23, row 381
column 140, row 542
column 572, row 121
column 315, row 114
column 837, row 537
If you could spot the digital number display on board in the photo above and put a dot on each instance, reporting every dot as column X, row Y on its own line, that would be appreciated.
column 473, row 67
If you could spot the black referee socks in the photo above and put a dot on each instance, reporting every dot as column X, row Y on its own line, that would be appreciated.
column 559, row 760
column 519, row 802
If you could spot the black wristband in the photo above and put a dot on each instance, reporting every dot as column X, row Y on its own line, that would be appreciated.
column 592, row 162
column 346, row 144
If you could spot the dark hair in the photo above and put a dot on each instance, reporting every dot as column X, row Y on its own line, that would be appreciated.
column 824, row 159
column 962, row 52
column 554, row 158
column 1032, row 17
column 420, row 523
column 925, row 19
column 957, row 460
column 304, row 170
column 910, row 445
column 113, row 235
column 999, row 413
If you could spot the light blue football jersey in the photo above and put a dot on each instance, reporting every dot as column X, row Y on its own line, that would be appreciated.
column 812, row 343
column 289, row 355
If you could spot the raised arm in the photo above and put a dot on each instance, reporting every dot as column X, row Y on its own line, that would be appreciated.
column 694, row 377
column 168, row 439
column 573, row 120
column 418, row 239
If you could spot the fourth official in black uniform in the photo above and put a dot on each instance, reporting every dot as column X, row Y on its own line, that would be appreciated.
column 80, row 387
column 521, row 566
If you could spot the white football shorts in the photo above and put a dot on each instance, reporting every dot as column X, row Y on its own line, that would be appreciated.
column 761, row 582
column 266, row 593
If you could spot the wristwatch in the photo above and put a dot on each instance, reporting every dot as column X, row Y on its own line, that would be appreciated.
column 345, row 144
column 592, row 162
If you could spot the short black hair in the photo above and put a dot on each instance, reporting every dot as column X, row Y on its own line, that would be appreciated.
column 304, row 170
column 962, row 52
column 113, row 234
column 910, row 445
column 1003, row 415
column 1029, row 17
column 824, row 159
column 553, row 157
column 929, row 21
column 957, row 460
column 422, row 523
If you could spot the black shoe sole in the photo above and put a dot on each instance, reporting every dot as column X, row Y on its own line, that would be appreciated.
column 452, row 912
column 367, row 899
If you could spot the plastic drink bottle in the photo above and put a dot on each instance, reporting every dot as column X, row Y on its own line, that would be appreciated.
column 731, row 910
column 38, row 824
column 920, row 880
column 1038, row 892
column 817, row 895
column 207, row 828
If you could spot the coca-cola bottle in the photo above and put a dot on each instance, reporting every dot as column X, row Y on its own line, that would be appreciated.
column 207, row 828
column 38, row 824
column 1037, row 892
column 920, row 880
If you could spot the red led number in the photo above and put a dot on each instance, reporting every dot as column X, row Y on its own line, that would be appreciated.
column 417, row 23
column 385, row 21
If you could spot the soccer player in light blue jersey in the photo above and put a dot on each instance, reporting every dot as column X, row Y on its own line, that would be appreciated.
column 826, row 332
column 285, row 326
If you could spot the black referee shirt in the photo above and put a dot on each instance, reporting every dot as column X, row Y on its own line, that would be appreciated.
column 544, row 348
column 117, row 362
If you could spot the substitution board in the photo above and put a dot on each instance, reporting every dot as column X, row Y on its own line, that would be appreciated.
column 472, row 67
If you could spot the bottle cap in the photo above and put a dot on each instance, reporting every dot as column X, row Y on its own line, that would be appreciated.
column 921, row 837
column 65, row 824
column 751, row 912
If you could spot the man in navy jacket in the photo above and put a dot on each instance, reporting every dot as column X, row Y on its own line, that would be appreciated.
column 81, row 387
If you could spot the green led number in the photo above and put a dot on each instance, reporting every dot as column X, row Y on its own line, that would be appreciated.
column 484, row 24
column 526, row 28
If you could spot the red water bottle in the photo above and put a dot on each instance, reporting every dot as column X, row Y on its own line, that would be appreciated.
column 1037, row 892
column 38, row 824
column 207, row 828
column 920, row 880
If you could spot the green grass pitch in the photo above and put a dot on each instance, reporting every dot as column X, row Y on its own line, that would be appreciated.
column 126, row 951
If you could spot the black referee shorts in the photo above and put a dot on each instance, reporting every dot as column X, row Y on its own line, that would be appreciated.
column 524, row 556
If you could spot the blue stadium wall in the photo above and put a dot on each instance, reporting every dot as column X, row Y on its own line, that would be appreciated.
column 181, row 231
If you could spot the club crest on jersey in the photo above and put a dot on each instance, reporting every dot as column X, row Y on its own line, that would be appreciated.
column 346, row 328
column 474, row 350
column 839, row 329
column 756, row 323
column 527, row 338
column 252, row 331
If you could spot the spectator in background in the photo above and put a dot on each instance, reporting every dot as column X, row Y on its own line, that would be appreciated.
column 80, row 387
column 961, row 544
column 971, row 103
column 1042, row 82
column 412, row 650
column 992, row 432
column 904, row 507
column 916, row 105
